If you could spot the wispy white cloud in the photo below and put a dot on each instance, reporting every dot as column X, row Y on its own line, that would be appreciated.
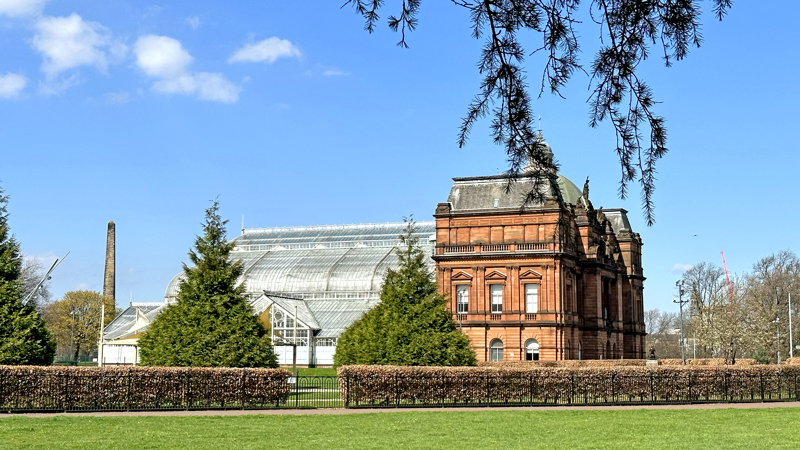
column 11, row 84
column 269, row 50
column 194, row 22
column 58, row 85
column 20, row 8
column 334, row 72
column 152, row 11
column 164, row 58
column 117, row 98
column 326, row 71
column 207, row 86
column 70, row 42
column 680, row 268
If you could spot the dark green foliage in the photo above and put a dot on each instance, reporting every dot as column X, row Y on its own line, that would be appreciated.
column 629, row 31
column 761, row 356
column 410, row 325
column 210, row 324
column 24, row 339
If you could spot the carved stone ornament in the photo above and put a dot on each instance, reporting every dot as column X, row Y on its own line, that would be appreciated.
column 530, row 273
column 495, row 275
column 461, row 275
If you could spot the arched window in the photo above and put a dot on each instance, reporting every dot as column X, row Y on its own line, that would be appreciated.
column 496, row 350
column 531, row 350
column 580, row 350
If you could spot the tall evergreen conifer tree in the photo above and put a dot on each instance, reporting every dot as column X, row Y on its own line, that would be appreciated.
column 211, row 324
column 24, row 339
column 410, row 326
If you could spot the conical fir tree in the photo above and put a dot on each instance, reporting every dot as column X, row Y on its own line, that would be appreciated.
column 410, row 325
column 24, row 339
column 211, row 324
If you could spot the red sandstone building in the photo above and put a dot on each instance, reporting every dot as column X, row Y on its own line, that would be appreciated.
column 552, row 281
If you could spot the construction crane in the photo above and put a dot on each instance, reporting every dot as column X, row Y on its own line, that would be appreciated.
column 727, row 277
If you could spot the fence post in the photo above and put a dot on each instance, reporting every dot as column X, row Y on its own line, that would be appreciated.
column 761, row 381
column 186, row 394
column 128, row 392
column 530, row 389
column 571, row 387
column 296, row 390
column 64, row 394
column 347, row 391
column 725, row 395
column 488, row 400
column 242, row 390
column 652, row 390
column 614, row 388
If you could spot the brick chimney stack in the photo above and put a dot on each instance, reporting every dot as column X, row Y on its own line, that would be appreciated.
column 109, row 278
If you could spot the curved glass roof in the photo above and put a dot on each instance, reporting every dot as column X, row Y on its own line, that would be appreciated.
column 330, row 261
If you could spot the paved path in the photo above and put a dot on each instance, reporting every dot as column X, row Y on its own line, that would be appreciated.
column 303, row 412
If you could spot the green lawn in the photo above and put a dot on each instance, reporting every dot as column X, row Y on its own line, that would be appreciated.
column 315, row 372
column 691, row 429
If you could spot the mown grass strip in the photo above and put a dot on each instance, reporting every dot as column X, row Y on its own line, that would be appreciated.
column 717, row 428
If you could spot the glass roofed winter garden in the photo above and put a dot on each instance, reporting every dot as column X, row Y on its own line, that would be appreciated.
column 325, row 276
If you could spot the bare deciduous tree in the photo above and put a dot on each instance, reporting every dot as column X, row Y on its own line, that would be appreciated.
column 32, row 272
column 662, row 333
column 768, row 287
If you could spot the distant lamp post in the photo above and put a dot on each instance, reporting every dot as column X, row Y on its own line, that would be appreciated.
column 680, row 301
column 777, row 323
column 72, row 333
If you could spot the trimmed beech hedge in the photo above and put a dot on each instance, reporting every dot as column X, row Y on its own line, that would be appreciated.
column 528, row 385
column 127, row 388
column 616, row 363
column 707, row 362
column 565, row 363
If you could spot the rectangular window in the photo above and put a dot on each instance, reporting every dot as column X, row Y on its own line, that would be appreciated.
column 496, row 354
column 531, row 298
column 496, row 291
column 462, row 298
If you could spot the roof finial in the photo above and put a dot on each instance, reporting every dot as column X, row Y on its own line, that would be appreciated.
column 540, row 125
column 586, row 188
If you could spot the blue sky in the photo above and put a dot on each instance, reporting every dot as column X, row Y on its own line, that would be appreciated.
column 142, row 113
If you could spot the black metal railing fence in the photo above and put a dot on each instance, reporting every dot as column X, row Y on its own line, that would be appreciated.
column 399, row 391
column 76, row 392
column 129, row 389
